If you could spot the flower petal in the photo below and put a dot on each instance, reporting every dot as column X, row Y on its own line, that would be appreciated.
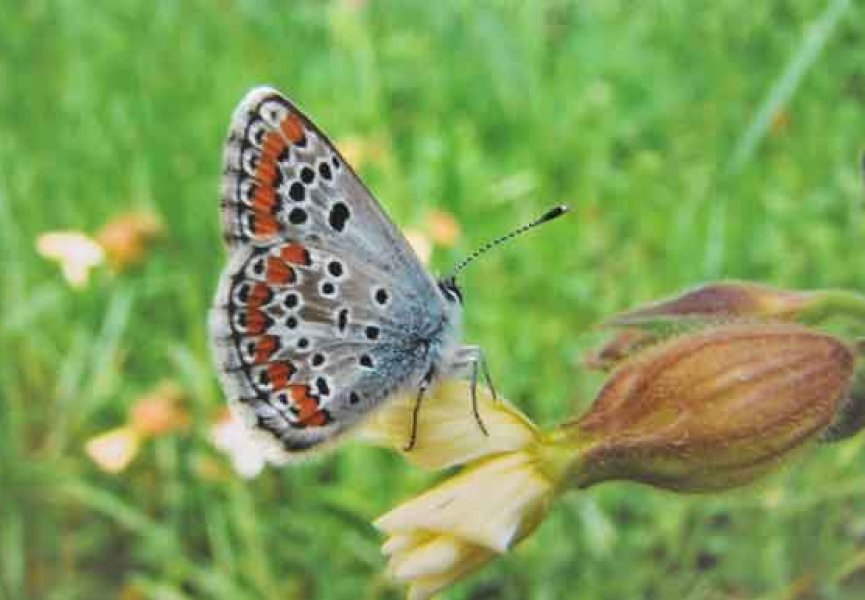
column 464, row 506
column 448, row 433
column 75, row 252
column 114, row 450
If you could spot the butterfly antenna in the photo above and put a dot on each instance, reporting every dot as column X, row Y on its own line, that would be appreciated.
column 551, row 214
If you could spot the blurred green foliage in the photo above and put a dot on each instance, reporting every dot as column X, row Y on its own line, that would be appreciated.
column 645, row 117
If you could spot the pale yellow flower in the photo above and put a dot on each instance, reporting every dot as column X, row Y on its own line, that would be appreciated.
column 448, row 433
column 75, row 252
column 159, row 411
column 126, row 237
column 457, row 527
column 460, row 525
column 114, row 450
column 442, row 228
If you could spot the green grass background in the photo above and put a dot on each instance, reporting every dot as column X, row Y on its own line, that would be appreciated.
column 657, row 121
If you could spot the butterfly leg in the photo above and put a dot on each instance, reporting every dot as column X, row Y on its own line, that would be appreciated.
column 422, row 388
column 473, row 356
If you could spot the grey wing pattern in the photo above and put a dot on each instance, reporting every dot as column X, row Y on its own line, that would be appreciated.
column 316, row 319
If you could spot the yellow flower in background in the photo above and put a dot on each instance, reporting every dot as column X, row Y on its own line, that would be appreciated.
column 75, row 252
column 121, row 243
column 125, row 237
column 159, row 411
column 114, row 450
column 442, row 227
column 358, row 151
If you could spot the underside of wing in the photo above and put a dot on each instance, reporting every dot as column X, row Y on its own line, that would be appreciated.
column 323, row 311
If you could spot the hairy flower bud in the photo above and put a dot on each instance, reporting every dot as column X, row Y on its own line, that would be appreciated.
column 712, row 409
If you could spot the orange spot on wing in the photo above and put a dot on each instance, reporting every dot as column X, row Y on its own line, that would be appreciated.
column 264, row 199
column 308, row 412
column 266, row 171
column 258, row 295
column 265, row 348
column 278, row 271
column 316, row 419
column 295, row 253
column 273, row 145
column 279, row 373
column 265, row 224
column 292, row 128
column 256, row 321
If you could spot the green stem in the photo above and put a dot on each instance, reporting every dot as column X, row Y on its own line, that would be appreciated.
column 831, row 304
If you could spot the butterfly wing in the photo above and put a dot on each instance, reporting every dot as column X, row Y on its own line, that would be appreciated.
column 323, row 310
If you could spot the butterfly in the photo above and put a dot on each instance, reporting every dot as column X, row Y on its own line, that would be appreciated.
column 323, row 311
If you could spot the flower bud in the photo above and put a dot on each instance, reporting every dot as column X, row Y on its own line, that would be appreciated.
column 742, row 301
column 620, row 346
column 721, row 301
column 850, row 418
column 712, row 409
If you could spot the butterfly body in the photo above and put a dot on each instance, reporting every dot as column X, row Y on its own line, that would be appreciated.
column 323, row 311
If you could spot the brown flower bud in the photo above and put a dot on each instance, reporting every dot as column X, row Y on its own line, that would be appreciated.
column 620, row 346
column 721, row 301
column 712, row 409
column 850, row 418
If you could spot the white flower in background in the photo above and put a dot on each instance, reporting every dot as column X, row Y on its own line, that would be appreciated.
column 236, row 440
column 75, row 252
column 113, row 451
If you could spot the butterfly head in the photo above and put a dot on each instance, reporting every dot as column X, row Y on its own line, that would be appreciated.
column 450, row 290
